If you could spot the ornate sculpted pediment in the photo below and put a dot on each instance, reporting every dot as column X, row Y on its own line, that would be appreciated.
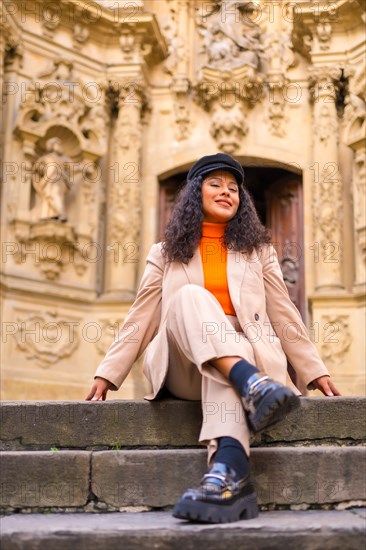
column 56, row 97
column 230, row 38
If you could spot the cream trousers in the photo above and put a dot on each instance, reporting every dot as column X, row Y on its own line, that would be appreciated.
column 198, row 331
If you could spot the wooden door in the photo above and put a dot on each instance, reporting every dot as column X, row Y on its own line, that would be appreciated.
column 285, row 218
column 168, row 193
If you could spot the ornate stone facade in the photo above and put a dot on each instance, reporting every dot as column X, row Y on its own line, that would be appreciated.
column 104, row 103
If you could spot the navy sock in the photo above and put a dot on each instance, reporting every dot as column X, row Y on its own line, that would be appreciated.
column 240, row 374
column 232, row 453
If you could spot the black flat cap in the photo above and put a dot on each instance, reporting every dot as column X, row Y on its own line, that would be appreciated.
column 220, row 161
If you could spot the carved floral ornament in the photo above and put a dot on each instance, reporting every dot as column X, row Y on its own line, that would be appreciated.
column 46, row 338
column 336, row 339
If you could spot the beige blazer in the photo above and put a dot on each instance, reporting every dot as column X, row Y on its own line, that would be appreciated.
column 267, row 316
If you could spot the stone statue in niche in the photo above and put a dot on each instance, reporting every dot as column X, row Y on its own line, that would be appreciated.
column 52, row 181
column 231, row 38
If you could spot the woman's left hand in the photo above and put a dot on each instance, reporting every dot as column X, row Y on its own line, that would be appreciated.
column 326, row 386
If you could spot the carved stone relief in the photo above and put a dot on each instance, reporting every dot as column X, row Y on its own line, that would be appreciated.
column 51, row 18
column 324, row 33
column 46, row 338
column 279, row 57
column 80, row 35
column 360, row 188
column 228, row 126
column 109, row 331
column 63, row 135
column 230, row 40
column 325, row 124
column 324, row 83
column 328, row 185
column 57, row 96
column 355, row 137
column 182, row 100
column 126, row 150
column 277, row 118
column 13, row 45
column 230, row 78
column 125, row 189
column 51, row 245
column 176, row 45
column 336, row 339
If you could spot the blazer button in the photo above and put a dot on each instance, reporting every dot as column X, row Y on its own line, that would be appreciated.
column 256, row 317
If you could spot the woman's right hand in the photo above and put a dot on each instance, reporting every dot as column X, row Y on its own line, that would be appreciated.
column 99, row 389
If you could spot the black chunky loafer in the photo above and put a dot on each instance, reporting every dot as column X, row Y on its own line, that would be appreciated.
column 220, row 498
column 267, row 402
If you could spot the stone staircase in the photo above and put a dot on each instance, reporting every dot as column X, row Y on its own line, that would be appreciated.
column 136, row 456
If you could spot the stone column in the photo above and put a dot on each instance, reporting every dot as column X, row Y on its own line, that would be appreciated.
column 124, row 194
column 355, row 137
column 11, row 65
column 359, row 208
column 327, row 182
column 2, row 59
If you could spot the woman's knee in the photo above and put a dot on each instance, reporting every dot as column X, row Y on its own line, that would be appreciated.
column 189, row 292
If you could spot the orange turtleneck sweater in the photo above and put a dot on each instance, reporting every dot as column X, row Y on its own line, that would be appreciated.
column 214, row 262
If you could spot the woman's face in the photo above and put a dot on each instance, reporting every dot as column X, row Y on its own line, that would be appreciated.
column 220, row 197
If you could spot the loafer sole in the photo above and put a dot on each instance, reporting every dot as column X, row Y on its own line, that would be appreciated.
column 207, row 512
column 273, row 408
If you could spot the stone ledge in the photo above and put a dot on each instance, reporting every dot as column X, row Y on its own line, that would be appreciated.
column 282, row 475
column 114, row 480
column 166, row 423
column 310, row 530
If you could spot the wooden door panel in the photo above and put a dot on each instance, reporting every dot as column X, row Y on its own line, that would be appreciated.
column 285, row 218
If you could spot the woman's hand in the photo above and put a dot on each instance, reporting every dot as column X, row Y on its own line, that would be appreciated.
column 325, row 385
column 99, row 389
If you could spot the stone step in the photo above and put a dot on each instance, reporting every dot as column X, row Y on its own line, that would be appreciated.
column 306, row 530
column 166, row 423
column 116, row 480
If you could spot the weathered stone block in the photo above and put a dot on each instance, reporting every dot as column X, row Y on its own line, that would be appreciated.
column 281, row 475
column 145, row 478
column 112, row 423
column 310, row 475
column 169, row 422
column 44, row 479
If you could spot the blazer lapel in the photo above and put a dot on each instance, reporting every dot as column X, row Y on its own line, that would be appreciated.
column 194, row 269
column 236, row 270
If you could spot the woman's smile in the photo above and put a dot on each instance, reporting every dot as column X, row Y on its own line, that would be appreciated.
column 220, row 196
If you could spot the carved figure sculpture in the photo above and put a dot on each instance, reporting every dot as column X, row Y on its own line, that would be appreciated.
column 51, row 181
column 231, row 39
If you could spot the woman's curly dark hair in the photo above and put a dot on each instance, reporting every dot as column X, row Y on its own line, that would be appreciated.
column 244, row 231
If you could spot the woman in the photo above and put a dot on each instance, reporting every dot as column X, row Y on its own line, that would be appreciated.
column 214, row 308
